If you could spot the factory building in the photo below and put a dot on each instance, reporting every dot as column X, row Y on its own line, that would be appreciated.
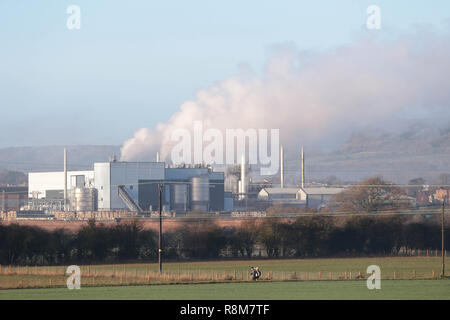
column 133, row 186
column 314, row 198
column 128, row 185
column 12, row 198
column 285, row 196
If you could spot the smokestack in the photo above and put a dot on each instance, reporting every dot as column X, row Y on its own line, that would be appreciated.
column 282, row 167
column 157, row 157
column 303, row 167
column 65, row 179
column 4, row 201
column 243, row 186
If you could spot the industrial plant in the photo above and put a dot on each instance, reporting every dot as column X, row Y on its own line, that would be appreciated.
column 117, row 189
column 132, row 186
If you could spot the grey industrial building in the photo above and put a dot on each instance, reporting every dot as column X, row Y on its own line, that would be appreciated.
column 117, row 185
column 314, row 198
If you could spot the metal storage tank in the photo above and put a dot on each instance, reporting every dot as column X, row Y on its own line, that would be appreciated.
column 83, row 199
column 200, row 193
column 179, row 197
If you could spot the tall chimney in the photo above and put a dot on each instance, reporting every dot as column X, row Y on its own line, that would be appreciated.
column 303, row 167
column 65, row 179
column 282, row 167
column 4, row 208
column 243, row 186
column 157, row 157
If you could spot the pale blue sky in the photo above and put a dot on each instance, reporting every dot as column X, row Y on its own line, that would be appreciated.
column 134, row 62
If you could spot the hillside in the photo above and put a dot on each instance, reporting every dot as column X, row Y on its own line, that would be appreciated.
column 420, row 151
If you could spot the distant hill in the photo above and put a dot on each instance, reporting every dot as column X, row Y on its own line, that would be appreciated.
column 12, row 178
column 415, row 140
column 421, row 151
column 50, row 158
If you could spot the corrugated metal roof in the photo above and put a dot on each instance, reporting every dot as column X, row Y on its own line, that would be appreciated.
column 281, row 190
column 323, row 190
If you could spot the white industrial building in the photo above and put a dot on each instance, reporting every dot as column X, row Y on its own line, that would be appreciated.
column 309, row 197
column 116, row 185
column 286, row 196
column 39, row 183
column 314, row 198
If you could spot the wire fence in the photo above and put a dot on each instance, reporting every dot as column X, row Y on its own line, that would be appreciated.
column 17, row 277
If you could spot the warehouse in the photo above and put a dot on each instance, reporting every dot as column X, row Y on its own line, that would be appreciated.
column 50, row 185
column 314, row 198
column 12, row 198
column 285, row 196
column 117, row 185
column 319, row 197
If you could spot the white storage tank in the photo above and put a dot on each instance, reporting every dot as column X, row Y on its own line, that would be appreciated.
column 83, row 199
column 200, row 193
column 180, row 197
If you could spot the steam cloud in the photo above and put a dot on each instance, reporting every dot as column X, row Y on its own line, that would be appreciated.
column 311, row 96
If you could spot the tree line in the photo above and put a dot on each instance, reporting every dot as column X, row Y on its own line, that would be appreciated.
column 317, row 236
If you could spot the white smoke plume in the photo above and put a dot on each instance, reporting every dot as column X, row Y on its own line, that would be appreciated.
column 310, row 96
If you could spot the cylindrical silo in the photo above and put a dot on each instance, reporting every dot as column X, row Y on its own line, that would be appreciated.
column 200, row 193
column 179, row 197
column 83, row 199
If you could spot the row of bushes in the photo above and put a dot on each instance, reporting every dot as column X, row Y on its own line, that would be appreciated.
column 303, row 237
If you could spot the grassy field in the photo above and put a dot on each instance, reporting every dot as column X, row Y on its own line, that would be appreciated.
column 298, row 290
column 231, row 276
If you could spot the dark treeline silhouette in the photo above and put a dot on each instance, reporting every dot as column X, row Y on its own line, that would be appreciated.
column 302, row 237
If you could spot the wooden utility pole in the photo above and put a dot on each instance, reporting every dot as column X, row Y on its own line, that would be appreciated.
column 160, row 229
column 443, row 237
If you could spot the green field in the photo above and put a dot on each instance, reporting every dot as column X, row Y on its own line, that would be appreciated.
column 298, row 290
column 388, row 265
column 416, row 278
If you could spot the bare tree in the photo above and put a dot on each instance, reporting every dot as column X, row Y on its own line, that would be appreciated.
column 371, row 195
